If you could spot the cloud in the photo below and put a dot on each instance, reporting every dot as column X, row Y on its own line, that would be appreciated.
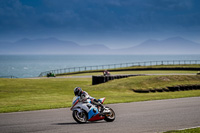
column 14, row 15
column 120, row 14
column 169, row 4
column 99, row 16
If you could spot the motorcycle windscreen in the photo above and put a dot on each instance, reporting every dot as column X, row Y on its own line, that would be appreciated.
column 75, row 99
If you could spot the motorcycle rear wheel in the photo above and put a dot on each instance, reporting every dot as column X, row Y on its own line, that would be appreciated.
column 80, row 117
column 110, row 117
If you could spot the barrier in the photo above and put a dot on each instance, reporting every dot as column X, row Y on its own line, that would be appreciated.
column 170, row 89
column 103, row 79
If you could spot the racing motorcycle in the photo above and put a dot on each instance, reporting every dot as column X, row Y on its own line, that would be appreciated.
column 85, row 111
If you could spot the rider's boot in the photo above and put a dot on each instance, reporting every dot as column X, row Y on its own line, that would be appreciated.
column 102, row 109
column 96, row 102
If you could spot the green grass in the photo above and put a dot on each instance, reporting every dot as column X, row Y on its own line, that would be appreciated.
column 193, row 130
column 35, row 94
column 161, row 66
column 136, row 72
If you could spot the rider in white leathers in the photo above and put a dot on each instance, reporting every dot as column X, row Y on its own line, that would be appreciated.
column 84, row 96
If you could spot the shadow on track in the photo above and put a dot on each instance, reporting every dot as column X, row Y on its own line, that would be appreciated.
column 74, row 123
column 70, row 123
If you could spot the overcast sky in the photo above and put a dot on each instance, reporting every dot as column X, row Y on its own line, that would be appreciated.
column 114, row 23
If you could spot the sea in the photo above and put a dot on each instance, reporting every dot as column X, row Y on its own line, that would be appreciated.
column 26, row 66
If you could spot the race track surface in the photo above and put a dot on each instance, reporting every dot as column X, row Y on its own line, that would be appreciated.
column 136, row 117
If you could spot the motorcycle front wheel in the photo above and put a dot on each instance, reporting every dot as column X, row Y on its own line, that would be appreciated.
column 80, row 117
column 111, row 116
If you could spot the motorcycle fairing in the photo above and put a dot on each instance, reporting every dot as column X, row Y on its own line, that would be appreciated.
column 93, row 115
column 96, row 117
column 92, row 112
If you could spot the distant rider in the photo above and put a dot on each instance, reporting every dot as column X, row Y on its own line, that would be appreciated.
column 106, row 73
column 84, row 96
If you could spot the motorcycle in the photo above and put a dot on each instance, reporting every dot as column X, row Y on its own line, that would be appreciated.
column 106, row 73
column 85, row 111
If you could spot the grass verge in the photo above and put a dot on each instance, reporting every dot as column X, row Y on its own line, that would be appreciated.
column 192, row 130
column 35, row 94
column 136, row 72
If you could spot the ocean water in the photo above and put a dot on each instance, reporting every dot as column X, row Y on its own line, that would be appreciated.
column 23, row 66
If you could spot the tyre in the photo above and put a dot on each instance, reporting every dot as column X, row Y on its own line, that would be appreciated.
column 111, row 116
column 80, row 117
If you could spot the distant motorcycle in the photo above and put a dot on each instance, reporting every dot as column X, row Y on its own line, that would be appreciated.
column 106, row 73
column 85, row 111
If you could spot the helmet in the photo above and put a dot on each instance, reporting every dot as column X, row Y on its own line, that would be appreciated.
column 77, row 91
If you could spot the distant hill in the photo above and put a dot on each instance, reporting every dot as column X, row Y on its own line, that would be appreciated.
column 174, row 45
column 49, row 46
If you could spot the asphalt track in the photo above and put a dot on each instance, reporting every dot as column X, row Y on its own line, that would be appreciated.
column 137, row 117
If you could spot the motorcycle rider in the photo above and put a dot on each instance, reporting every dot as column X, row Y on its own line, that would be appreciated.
column 84, row 96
